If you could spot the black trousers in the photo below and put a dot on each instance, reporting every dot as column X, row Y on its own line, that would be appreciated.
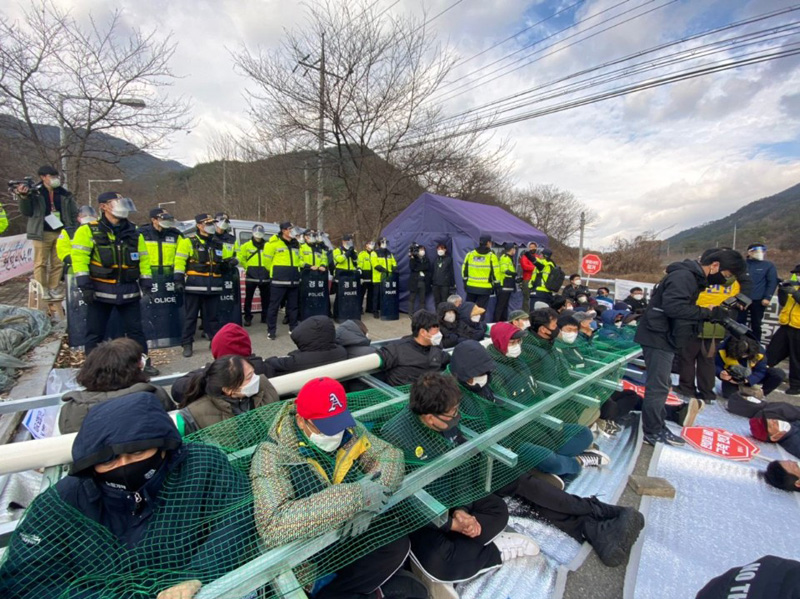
column 209, row 306
column 480, row 300
column 366, row 290
column 416, row 297
column 249, row 291
column 659, row 368
column 501, row 306
column 619, row 404
column 694, row 363
column 130, row 317
column 756, row 314
column 361, row 578
column 569, row 513
column 451, row 556
column 277, row 294
column 786, row 344
column 541, row 296
column 772, row 380
column 440, row 294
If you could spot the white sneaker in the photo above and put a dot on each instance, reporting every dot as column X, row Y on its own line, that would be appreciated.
column 436, row 589
column 593, row 458
column 513, row 545
column 55, row 295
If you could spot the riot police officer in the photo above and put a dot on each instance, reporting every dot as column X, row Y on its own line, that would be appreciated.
column 345, row 263
column 481, row 272
column 383, row 265
column 314, row 297
column 507, row 283
column 162, row 238
column 112, row 270
column 230, row 303
column 86, row 214
column 283, row 257
column 366, row 290
column 198, row 272
column 253, row 258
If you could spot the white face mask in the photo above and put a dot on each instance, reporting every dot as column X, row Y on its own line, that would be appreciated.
column 384, row 246
column 618, row 324
column 327, row 443
column 756, row 255
column 440, row 252
column 436, row 339
column 475, row 318
column 251, row 388
column 209, row 229
column 569, row 337
column 85, row 220
column 576, row 282
column 55, row 182
column 582, row 299
column 421, row 253
column 526, row 324
column 450, row 317
column 258, row 236
column 514, row 350
column 637, row 296
column 480, row 381
column 370, row 247
column 783, row 426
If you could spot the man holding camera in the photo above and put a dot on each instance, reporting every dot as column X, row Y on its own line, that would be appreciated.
column 49, row 208
column 742, row 368
column 670, row 321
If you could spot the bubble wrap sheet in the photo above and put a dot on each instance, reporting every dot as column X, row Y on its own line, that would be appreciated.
column 544, row 576
column 722, row 516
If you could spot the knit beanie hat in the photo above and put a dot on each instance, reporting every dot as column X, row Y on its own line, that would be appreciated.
column 231, row 339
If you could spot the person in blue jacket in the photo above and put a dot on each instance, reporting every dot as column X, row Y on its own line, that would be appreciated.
column 748, row 354
column 141, row 515
column 765, row 280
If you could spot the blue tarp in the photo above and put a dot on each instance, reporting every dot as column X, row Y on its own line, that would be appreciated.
column 432, row 219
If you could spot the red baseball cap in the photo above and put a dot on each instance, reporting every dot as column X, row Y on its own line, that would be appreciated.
column 324, row 402
column 758, row 428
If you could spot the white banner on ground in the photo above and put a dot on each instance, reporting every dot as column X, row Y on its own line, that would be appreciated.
column 16, row 257
column 43, row 422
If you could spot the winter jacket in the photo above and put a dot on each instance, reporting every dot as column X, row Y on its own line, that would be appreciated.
column 757, row 366
column 301, row 492
column 404, row 361
column 571, row 292
column 208, row 410
column 35, row 205
column 469, row 329
column 453, row 333
column 609, row 332
column 775, row 410
column 192, row 520
column 481, row 271
column 178, row 389
column 420, row 272
column 315, row 339
column 546, row 361
column 77, row 403
column 353, row 340
column 443, row 275
column 637, row 306
column 765, row 279
column 673, row 316
column 526, row 263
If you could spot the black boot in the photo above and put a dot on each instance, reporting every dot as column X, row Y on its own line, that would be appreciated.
column 187, row 351
column 150, row 370
column 248, row 320
column 613, row 538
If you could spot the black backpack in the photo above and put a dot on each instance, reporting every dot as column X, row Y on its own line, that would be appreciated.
column 555, row 279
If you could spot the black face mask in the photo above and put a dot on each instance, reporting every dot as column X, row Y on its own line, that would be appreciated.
column 451, row 424
column 717, row 279
column 132, row 477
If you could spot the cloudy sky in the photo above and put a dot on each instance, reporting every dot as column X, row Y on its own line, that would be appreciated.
column 666, row 158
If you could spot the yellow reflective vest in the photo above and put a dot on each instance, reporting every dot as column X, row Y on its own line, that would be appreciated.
column 481, row 270
column 283, row 260
column 790, row 314
column 365, row 266
column 543, row 267
column 3, row 219
column 343, row 261
column 383, row 263
column 253, row 258
column 199, row 258
column 162, row 247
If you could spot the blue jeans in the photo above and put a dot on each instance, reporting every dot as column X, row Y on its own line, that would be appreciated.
column 563, row 461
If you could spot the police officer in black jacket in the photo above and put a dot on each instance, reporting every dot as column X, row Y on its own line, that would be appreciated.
column 419, row 279
column 670, row 321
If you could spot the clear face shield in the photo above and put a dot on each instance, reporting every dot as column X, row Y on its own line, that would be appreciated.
column 86, row 215
column 296, row 232
column 167, row 221
column 258, row 233
column 121, row 207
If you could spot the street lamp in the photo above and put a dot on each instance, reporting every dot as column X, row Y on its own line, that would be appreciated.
column 62, row 129
column 100, row 181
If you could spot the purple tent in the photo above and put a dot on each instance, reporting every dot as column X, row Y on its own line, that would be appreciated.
column 432, row 219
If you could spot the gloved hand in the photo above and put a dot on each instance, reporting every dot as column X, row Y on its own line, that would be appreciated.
column 180, row 283
column 146, row 286
column 357, row 525
column 224, row 267
column 719, row 313
column 519, row 280
column 88, row 294
column 376, row 495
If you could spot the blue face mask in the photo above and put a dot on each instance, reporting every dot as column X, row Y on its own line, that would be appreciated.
column 593, row 324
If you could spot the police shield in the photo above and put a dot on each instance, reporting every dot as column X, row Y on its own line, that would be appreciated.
column 314, row 299
column 390, row 305
column 77, row 313
column 347, row 301
column 230, row 302
column 162, row 313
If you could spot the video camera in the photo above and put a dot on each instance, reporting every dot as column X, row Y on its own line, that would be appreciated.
column 27, row 181
column 739, row 373
column 739, row 302
column 413, row 249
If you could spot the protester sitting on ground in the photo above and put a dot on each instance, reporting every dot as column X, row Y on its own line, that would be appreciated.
column 353, row 336
column 472, row 540
column 320, row 470
column 140, row 514
column 574, row 288
column 114, row 371
column 742, row 366
column 455, row 299
column 486, row 374
column 768, row 577
column 604, row 297
column 404, row 360
column 470, row 317
column 783, row 474
column 520, row 319
column 777, row 422
column 315, row 339
column 619, row 326
column 453, row 331
column 227, row 387
column 233, row 340
column 559, row 304
column 636, row 301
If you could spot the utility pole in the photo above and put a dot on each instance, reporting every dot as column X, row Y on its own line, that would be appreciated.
column 307, row 194
column 580, row 243
column 735, row 224
column 224, row 185
column 321, row 134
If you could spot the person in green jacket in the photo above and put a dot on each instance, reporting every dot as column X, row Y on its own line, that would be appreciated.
column 507, row 283
column 3, row 219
